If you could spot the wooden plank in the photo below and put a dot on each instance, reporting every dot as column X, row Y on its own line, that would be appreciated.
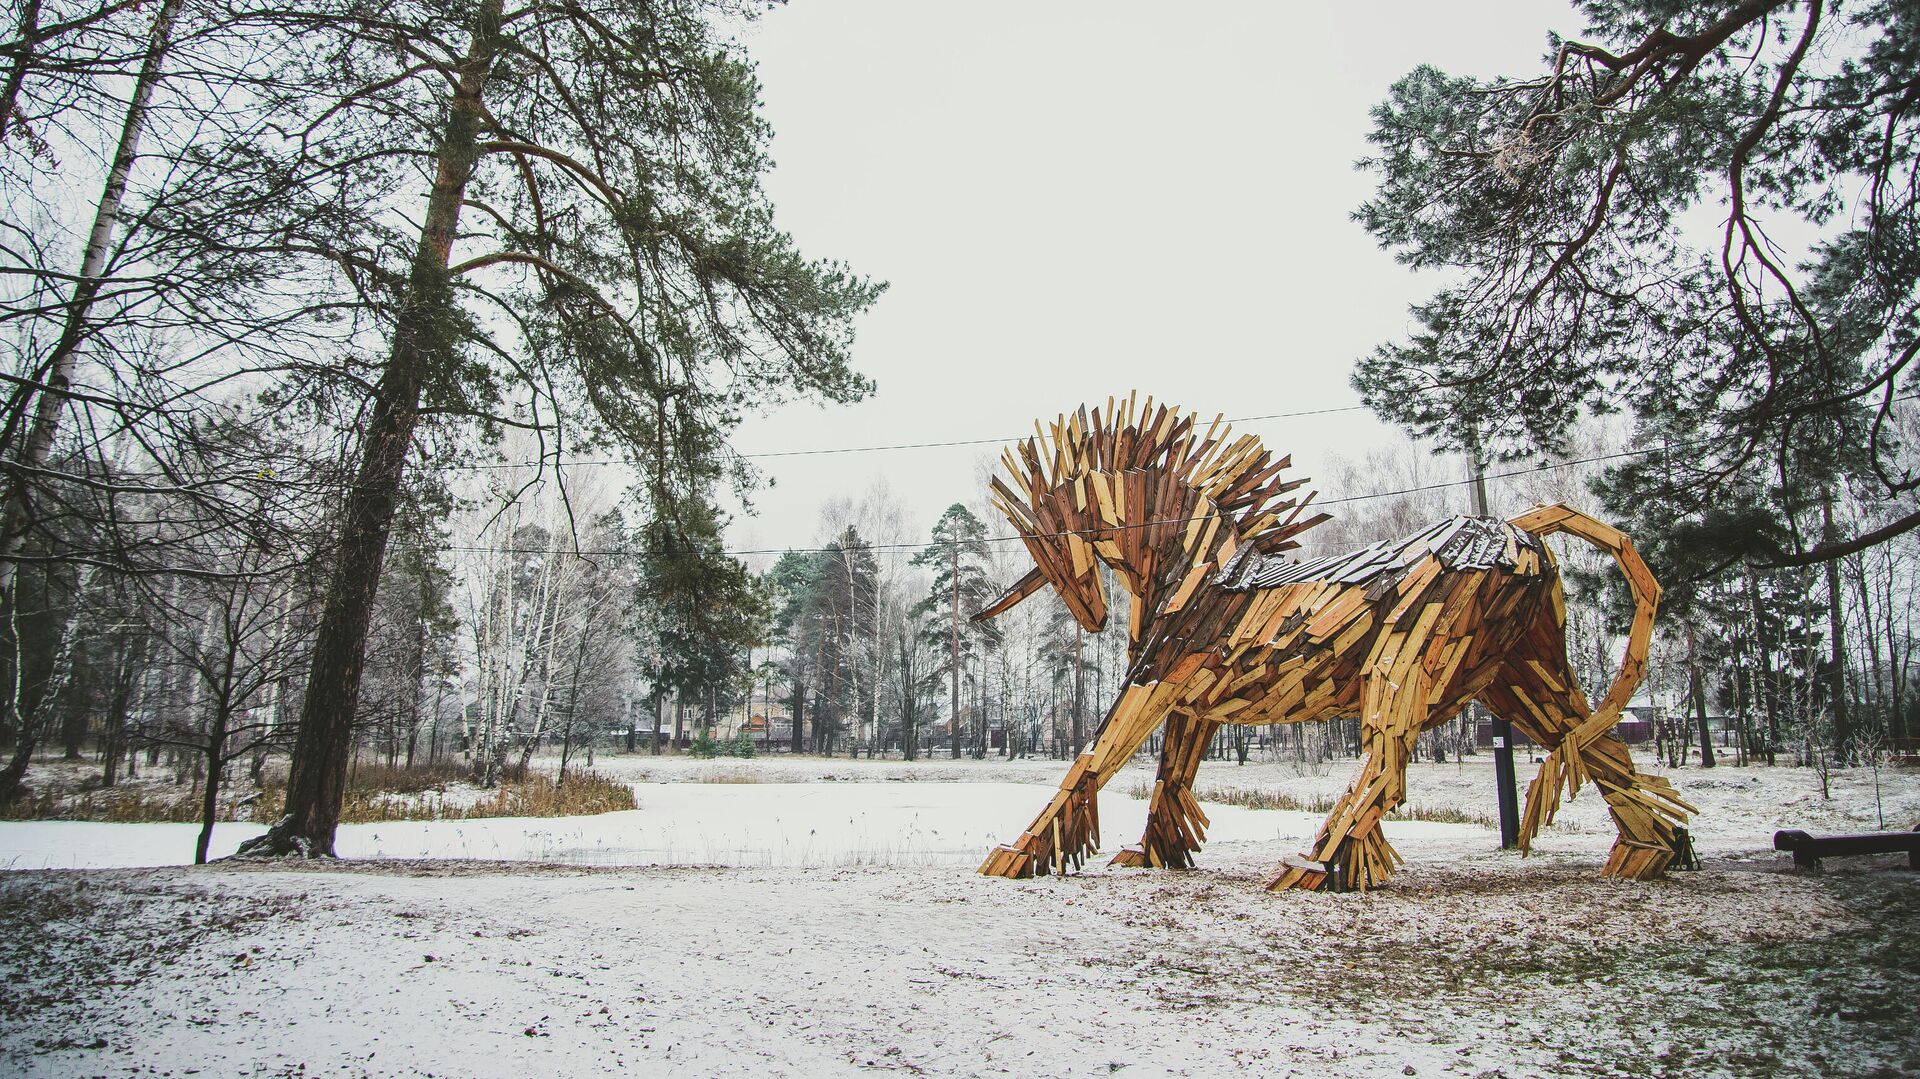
column 1356, row 629
column 1335, row 614
column 1540, row 518
column 1105, row 497
column 1187, row 586
column 1412, row 589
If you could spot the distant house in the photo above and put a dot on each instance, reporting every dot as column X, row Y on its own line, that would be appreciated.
column 760, row 727
column 1636, row 725
column 1483, row 734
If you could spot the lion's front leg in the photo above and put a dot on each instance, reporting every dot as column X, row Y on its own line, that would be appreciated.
column 1068, row 829
column 1349, row 852
column 1176, row 825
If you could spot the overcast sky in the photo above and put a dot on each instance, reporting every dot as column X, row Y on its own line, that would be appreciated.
column 1077, row 200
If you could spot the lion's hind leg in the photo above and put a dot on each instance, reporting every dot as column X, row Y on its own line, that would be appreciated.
column 1549, row 707
column 1176, row 825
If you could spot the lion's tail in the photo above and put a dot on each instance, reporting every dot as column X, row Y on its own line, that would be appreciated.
column 1646, row 806
column 1559, row 517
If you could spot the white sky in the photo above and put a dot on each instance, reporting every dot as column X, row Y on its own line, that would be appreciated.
column 1077, row 200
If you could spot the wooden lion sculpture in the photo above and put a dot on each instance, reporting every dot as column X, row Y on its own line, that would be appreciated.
column 1225, row 629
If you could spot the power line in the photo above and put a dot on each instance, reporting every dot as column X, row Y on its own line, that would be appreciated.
column 559, row 462
column 995, row 441
column 1549, row 467
column 738, row 552
column 921, row 545
column 482, row 466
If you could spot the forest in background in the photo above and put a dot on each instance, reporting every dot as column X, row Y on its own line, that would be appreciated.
column 312, row 312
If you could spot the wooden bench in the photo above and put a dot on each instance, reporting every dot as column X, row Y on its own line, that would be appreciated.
column 1809, row 849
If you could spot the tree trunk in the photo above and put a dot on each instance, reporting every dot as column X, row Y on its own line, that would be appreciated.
column 798, row 733
column 1700, row 716
column 1079, row 693
column 115, row 736
column 214, row 752
column 417, row 690
column 1765, row 653
column 659, row 702
column 1836, row 622
column 433, row 732
column 32, row 717
column 909, row 720
column 73, row 730
column 953, row 641
column 573, row 706
column 55, row 373
column 26, row 737
column 1696, row 688
column 316, row 777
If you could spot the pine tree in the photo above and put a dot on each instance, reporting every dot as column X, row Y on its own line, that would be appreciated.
column 958, row 558
column 698, row 609
column 1560, row 203
column 846, row 598
column 597, row 165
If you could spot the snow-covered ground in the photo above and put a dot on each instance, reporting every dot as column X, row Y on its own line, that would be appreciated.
column 700, row 824
column 804, row 917
column 807, row 811
column 759, row 824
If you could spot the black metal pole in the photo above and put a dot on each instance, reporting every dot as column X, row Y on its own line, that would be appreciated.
column 1503, row 777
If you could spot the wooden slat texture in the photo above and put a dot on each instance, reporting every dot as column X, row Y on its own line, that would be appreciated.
column 1194, row 524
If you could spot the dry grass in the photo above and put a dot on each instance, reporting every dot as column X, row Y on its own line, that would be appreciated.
column 121, row 805
column 418, row 779
column 377, row 794
column 1254, row 798
column 539, row 796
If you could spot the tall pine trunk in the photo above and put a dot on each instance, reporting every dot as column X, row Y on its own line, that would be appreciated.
column 1765, row 655
column 1696, row 688
column 317, row 775
column 1079, row 693
column 909, row 717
